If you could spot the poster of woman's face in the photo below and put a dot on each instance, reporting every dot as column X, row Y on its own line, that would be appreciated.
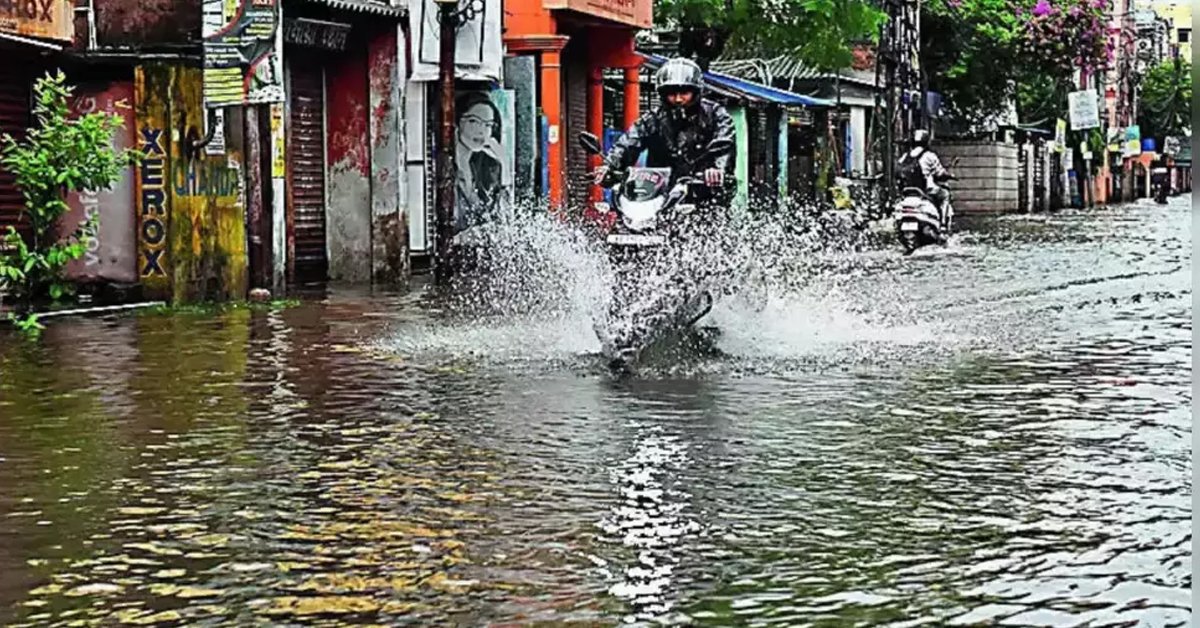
column 480, row 159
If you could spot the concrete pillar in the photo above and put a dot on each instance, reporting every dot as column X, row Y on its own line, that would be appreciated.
column 858, row 138
column 742, row 167
column 389, row 227
column 551, row 80
column 595, row 111
column 633, row 95
column 783, row 152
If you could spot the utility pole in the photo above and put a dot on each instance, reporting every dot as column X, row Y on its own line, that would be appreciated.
column 896, row 63
column 450, row 18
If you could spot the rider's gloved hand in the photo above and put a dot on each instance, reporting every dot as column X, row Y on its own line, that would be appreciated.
column 714, row 177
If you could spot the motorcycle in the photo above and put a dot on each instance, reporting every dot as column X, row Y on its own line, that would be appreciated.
column 1162, row 184
column 662, row 284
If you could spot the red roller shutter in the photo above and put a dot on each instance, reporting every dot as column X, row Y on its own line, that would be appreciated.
column 14, row 120
column 306, row 159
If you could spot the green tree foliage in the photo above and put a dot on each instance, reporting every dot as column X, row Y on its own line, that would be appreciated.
column 969, row 53
column 1166, row 100
column 980, row 54
column 59, row 154
column 821, row 32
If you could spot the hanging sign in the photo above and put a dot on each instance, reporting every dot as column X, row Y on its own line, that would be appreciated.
column 1084, row 110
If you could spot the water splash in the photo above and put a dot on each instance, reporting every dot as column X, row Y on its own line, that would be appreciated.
column 539, row 290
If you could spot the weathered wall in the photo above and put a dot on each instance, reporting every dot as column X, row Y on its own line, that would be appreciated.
column 191, row 204
column 348, row 211
column 389, row 225
column 146, row 22
column 112, row 250
column 152, row 203
column 987, row 175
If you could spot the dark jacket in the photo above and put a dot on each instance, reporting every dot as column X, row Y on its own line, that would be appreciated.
column 665, row 140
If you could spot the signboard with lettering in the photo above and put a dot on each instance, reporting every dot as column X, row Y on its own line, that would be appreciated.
column 315, row 33
column 241, row 61
column 639, row 13
column 48, row 19
column 1133, row 141
column 1084, row 110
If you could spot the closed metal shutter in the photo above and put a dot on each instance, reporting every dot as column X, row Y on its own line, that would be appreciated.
column 306, row 171
column 575, row 92
column 14, row 120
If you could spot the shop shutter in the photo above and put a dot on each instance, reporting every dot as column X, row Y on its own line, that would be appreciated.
column 306, row 157
column 575, row 90
column 14, row 119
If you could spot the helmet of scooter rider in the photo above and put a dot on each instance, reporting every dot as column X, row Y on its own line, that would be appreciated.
column 676, row 76
column 921, row 138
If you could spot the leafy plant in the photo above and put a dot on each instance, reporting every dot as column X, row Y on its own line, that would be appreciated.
column 59, row 154
column 28, row 325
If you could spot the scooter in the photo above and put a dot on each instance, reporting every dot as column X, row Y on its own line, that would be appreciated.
column 918, row 222
column 662, row 283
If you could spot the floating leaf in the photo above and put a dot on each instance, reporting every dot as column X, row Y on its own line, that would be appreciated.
column 97, row 588
column 140, row 618
column 188, row 593
column 154, row 548
column 140, row 510
column 169, row 573
column 339, row 605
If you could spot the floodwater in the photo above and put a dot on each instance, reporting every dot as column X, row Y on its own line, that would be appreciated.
column 997, row 432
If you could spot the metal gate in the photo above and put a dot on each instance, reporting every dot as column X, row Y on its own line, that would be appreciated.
column 1039, row 175
column 1022, row 178
column 1056, row 185
column 308, row 258
column 14, row 119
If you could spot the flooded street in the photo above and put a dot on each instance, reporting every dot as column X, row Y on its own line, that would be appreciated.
column 995, row 432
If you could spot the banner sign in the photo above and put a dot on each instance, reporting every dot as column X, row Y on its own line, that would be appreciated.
column 242, row 39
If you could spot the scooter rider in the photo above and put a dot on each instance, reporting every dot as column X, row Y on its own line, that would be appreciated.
column 678, row 132
column 931, row 172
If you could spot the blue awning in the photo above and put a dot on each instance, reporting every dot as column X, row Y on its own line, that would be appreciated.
column 739, row 88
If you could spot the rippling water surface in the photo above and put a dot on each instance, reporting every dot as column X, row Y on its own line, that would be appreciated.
column 996, row 432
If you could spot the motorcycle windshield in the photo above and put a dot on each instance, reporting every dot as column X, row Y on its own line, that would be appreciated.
column 645, row 184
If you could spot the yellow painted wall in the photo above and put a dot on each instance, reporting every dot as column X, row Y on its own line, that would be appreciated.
column 203, row 256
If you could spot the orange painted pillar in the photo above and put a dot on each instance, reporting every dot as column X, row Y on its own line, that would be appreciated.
column 633, row 96
column 551, row 85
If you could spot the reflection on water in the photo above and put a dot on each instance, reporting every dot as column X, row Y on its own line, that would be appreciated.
column 996, row 434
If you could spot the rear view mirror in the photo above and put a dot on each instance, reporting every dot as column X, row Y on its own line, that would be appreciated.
column 590, row 143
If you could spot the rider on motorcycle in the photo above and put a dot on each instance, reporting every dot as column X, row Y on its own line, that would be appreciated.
column 930, row 172
column 678, row 132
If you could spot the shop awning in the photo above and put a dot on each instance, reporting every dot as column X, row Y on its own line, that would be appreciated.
column 374, row 7
column 727, row 85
